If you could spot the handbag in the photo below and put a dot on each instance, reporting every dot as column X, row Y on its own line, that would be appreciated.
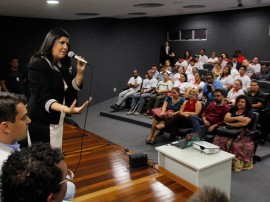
column 156, row 112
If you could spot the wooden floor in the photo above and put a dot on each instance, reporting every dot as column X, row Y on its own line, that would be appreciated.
column 103, row 172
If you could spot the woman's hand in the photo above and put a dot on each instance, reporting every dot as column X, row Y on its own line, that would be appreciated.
column 73, row 109
column 80, row 67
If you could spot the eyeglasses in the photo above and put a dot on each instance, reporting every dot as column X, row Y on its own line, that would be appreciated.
column 69, row 177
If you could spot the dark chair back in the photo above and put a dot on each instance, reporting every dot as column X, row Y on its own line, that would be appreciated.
column 264, row 86
column 209, row 67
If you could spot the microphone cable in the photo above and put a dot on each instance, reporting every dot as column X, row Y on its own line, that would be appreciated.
column 85, row 119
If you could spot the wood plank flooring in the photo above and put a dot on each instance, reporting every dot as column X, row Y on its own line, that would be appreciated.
column 103, row 173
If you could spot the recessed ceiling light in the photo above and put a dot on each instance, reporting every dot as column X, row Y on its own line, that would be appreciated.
column 137, row 13
column 52, row 2
column 148, row 5
column 194, row 6
column 87, row 14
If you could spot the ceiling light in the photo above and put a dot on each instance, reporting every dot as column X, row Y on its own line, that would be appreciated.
column 52, row 2
column 148, row 5
column 194, row 6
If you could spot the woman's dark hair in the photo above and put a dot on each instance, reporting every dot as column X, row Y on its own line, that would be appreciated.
column 246, row 98
column 48, row 43
column 32, row 174
column 229, row 72
column 176, row 89
column 185, row 75
column 199, row 75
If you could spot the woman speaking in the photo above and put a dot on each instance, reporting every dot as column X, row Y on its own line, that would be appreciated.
column 53, row 89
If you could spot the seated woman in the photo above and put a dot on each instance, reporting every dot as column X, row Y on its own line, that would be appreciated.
column 191, row 107
column 170, row 103
column 238, row 117
column 217, row 71
column 234, row 92
column 182, row 84
column 226, row 79
column 198, row 84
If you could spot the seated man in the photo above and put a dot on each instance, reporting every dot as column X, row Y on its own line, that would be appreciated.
column 213, row 115
column 37, row 173
column 257, row 97
column 163, row 87
column 210, row 86
column 138, row 99
column 264, row 75
column 134, row 85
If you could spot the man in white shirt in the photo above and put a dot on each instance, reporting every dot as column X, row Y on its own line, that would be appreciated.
column 245, row 79
column 203, row 58
column 138, row 99
column 213, row 59
column 134, row 85
column 255, row 65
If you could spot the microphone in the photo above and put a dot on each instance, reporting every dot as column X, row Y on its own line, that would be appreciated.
column 71, row 54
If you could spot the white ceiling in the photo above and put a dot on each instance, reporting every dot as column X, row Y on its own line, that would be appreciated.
column 67, row 9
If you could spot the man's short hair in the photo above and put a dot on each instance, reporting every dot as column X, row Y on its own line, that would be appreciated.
column 219, row 90
column 242, row 66
column 255, row 81
column 8, row 103
column 32, row 174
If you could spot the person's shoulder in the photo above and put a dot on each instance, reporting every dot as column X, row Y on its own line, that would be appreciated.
column 38, row 61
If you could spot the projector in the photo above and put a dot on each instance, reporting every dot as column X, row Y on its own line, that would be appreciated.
column 205, row 147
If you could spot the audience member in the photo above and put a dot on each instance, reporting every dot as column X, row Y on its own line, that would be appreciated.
column 163, row 87
column 198, row 63
column 168, row 65
column 202, row 57
column 245, row 79
column 13, row 124
column 37, row 173
column 166, row 53
column 171, row 103
column 134, row 85
column 209, row 194
column 155, row 71
column 162, row 71
column 210, row 86
column 213, row 59
column 239, row 117
column 187, row 56
column 234, row 71
column 239, row 55
column 191, row 107
column 181, row 63
column 217, row 70
column 256, row 96
column 138, row 99
column 182, row 84
column 226, row 79
column 198, row 84
column 189, row 68
column 14, row 78
column 255, row 65
column 213, row 115
column 264, row 75
column 235, row 92
column 236, row 64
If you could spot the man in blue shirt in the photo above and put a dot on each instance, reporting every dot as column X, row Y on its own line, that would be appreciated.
column 210, row 86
